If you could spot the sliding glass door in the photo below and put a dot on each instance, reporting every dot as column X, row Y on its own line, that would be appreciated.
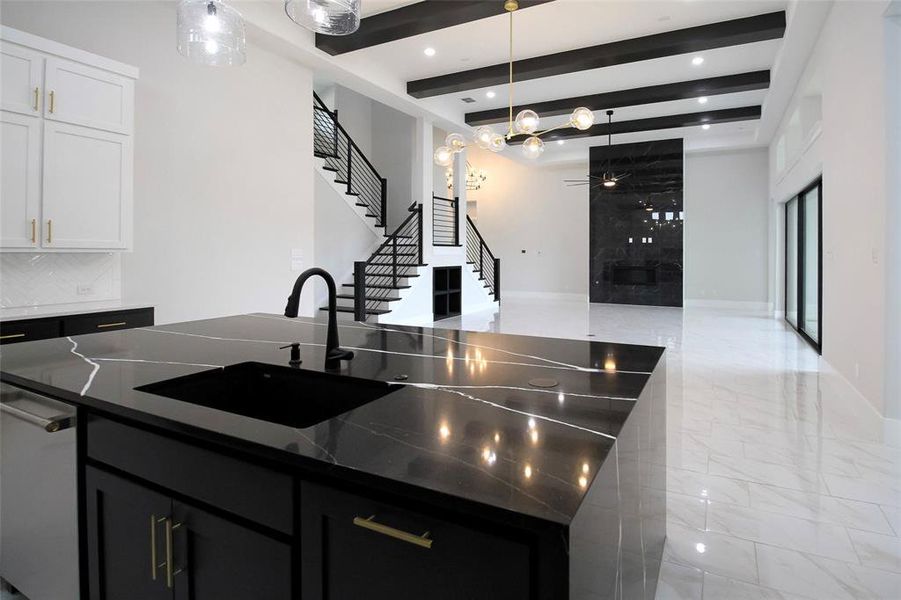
column 803, row 263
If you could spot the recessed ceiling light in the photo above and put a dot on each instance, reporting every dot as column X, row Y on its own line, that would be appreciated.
column 697, row 61
column 705, row 126
column 702, row 100
column 560, row 142
column 429, row 52
column 490, row 94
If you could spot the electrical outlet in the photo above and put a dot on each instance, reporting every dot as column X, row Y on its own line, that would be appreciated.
column 857, row 370
column 84, row 289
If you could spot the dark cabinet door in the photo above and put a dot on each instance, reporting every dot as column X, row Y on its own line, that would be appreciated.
column 353, row 547
column 125, row 536
column 215, row 559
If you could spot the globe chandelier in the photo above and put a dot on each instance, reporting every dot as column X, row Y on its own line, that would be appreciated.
column 526, row 122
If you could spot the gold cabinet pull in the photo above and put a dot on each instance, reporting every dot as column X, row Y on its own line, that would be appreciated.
column 52, row 105
column 153, row 565
column 49, row 231
column 116, row 324
column 170, row 571
column 34, row 231
column 369, row 523
column 37, row 94
column 10, row 336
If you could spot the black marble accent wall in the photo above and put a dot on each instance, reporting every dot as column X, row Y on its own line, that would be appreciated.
column 635, row 231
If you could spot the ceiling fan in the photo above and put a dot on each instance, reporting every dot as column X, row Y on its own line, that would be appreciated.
column 608, row 179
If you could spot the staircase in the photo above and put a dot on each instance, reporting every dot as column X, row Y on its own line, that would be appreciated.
column 379, row 280
column 483, row 261
column 352, row 170
column 385, row 277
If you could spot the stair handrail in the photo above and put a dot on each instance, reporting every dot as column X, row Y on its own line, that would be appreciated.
column 333, row 116
column 410, row 228
column 476, row 249
column 344, row 131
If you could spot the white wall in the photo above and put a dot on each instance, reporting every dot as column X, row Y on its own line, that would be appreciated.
column 847, row 69
column 530, row 208
column 726, row 222
column 893, row 217
column 223, row 161
column 343, row 238
column 393, row 136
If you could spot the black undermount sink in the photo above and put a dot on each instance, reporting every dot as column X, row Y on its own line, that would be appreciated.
column 285, row 395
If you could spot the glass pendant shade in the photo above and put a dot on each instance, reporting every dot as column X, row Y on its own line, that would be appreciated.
column 483, row 137
column 444, row 156
column 582, row 118
column 526, row 121
column 331, row 17
column 533, row 147
column 498, row 142
column 210, row 32
column 455, row 142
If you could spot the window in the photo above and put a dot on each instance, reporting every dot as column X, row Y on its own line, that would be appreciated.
column 804, row 263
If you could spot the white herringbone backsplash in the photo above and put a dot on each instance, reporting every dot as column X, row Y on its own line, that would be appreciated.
column 43, row 279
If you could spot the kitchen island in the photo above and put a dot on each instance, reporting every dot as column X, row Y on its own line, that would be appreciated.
column 488, row 466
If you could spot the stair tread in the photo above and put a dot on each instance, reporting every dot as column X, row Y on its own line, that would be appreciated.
column 348, row 309
column 388, row 276
column 369, row 298
column 381, row 287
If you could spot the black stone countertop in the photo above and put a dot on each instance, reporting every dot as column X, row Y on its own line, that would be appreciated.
column 466, row 423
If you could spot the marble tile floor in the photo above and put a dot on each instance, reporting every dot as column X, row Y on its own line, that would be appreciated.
column 779, row 483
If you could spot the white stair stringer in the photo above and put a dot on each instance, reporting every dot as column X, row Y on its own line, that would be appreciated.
column 341, row 189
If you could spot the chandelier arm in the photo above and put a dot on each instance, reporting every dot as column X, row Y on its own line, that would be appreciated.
column 549, row 129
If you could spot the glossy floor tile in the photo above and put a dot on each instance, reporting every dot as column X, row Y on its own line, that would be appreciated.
column 779, row 484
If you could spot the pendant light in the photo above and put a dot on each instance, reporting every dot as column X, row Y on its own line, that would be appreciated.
column 331, row 17
column 526, row 122
column 211, row 32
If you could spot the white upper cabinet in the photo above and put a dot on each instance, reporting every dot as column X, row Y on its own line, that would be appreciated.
column 83, row 95
column 21, row 83
column 87, row 187
column 20, row 192
column 67, row 143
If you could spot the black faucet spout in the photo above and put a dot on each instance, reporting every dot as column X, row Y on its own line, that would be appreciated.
column 333, row 352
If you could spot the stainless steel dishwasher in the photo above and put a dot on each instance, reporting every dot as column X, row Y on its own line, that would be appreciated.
column 38, row 495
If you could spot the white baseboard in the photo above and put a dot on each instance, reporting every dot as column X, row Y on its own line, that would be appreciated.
column 544, row 295
column 888, row 429
column 731, row 304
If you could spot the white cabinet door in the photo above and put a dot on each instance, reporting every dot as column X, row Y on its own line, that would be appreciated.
column 20, row 180
column 87, row 187
column 88, row 96
column 20, row 84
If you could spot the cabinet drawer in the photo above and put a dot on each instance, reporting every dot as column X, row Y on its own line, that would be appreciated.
column 355, row 547
column 29, row 330
column 234, row 485
column 107, row 321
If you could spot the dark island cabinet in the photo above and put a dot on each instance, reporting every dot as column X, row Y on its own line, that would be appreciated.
column 145, row 545
column 354, row 547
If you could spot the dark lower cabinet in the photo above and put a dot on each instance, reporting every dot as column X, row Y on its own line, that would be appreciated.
column 145, row 545
column 354, row 547
column 122, row 526
column 42, row 328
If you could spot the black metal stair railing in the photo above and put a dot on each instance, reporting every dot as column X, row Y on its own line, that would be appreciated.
column 445, row 221
column 484, row 262
column 351, row 167
column 376, row 279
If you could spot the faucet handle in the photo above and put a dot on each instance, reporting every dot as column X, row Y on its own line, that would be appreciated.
column 295, row 354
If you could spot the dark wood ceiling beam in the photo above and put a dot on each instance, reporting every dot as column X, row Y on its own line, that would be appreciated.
column 681, row 41
column 713, row 86
column 711, row 117
column 413, row 19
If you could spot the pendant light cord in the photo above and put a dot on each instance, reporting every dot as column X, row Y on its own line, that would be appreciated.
column 510, row 130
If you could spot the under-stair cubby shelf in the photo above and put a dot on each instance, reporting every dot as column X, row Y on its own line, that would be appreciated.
column 446, row 292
